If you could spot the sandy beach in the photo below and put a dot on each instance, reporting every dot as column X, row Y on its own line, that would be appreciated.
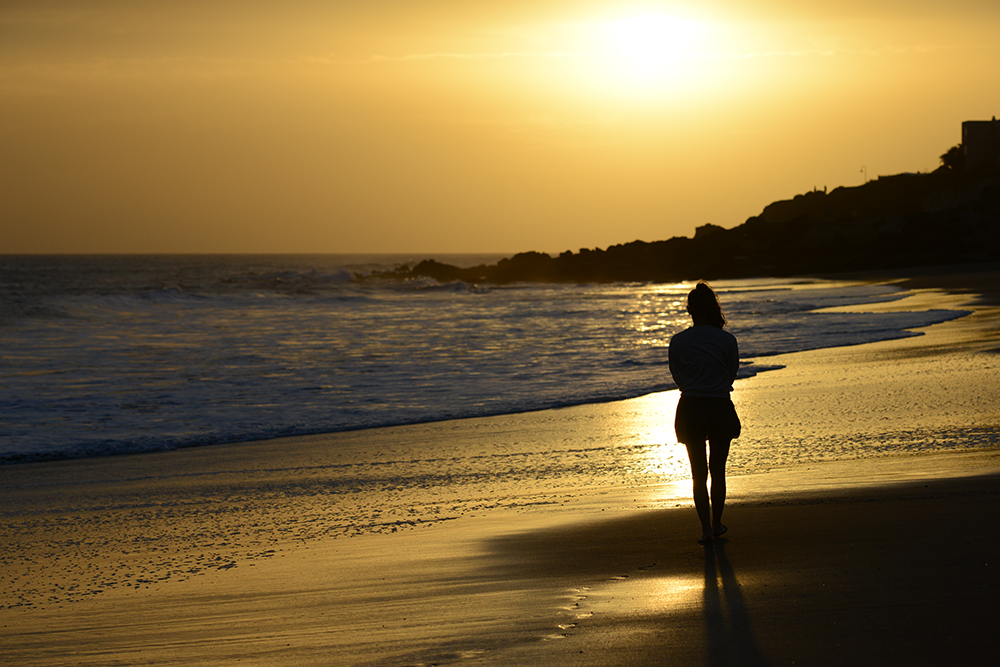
column 250, row 553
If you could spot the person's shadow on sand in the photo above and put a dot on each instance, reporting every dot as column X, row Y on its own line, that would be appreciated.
column 727, row 625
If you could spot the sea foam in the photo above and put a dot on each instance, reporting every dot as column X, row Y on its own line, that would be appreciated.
column 120, row 355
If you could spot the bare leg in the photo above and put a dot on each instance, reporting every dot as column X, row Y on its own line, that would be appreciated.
column 719, row 452
column 699, row 477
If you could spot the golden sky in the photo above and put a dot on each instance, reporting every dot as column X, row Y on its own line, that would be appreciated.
column 432, row 126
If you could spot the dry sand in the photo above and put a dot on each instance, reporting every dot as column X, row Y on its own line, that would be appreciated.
column 875, row 560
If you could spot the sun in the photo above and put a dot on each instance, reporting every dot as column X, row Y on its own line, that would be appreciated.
column 653, row 48
column 651, row 44
column 633, row 59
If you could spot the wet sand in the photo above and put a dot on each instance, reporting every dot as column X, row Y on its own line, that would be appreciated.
column 905, row 575
column 877, row 559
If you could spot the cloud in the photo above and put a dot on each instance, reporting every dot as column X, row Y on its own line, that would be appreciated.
column 414, row 57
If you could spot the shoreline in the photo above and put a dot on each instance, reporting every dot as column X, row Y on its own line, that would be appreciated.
column 122, row 446
column 223, row 554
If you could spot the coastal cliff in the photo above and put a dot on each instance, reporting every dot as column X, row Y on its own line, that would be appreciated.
column 944, row 217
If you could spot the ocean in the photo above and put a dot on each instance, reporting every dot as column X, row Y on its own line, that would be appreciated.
column 111, row 355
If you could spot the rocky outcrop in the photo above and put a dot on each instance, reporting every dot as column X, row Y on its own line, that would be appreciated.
column 942, row 217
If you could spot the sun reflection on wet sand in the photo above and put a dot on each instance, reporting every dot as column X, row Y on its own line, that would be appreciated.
column 653, row 420
column 654, row 424
column 712, row 598
column 677, row 592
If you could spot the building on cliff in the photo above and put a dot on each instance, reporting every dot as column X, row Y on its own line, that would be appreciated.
column 981, row 142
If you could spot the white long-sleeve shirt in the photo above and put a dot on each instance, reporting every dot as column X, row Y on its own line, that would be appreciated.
column 703, row 361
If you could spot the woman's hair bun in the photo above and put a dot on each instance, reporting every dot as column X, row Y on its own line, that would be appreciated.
column 703, row 305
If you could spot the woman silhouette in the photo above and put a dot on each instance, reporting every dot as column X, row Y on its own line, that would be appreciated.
column 703, row 362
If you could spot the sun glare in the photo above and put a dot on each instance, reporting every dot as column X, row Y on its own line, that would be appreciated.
column 649, row 52
column 651, row 42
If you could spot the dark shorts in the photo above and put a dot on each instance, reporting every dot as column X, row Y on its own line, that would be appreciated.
column 699, row 419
